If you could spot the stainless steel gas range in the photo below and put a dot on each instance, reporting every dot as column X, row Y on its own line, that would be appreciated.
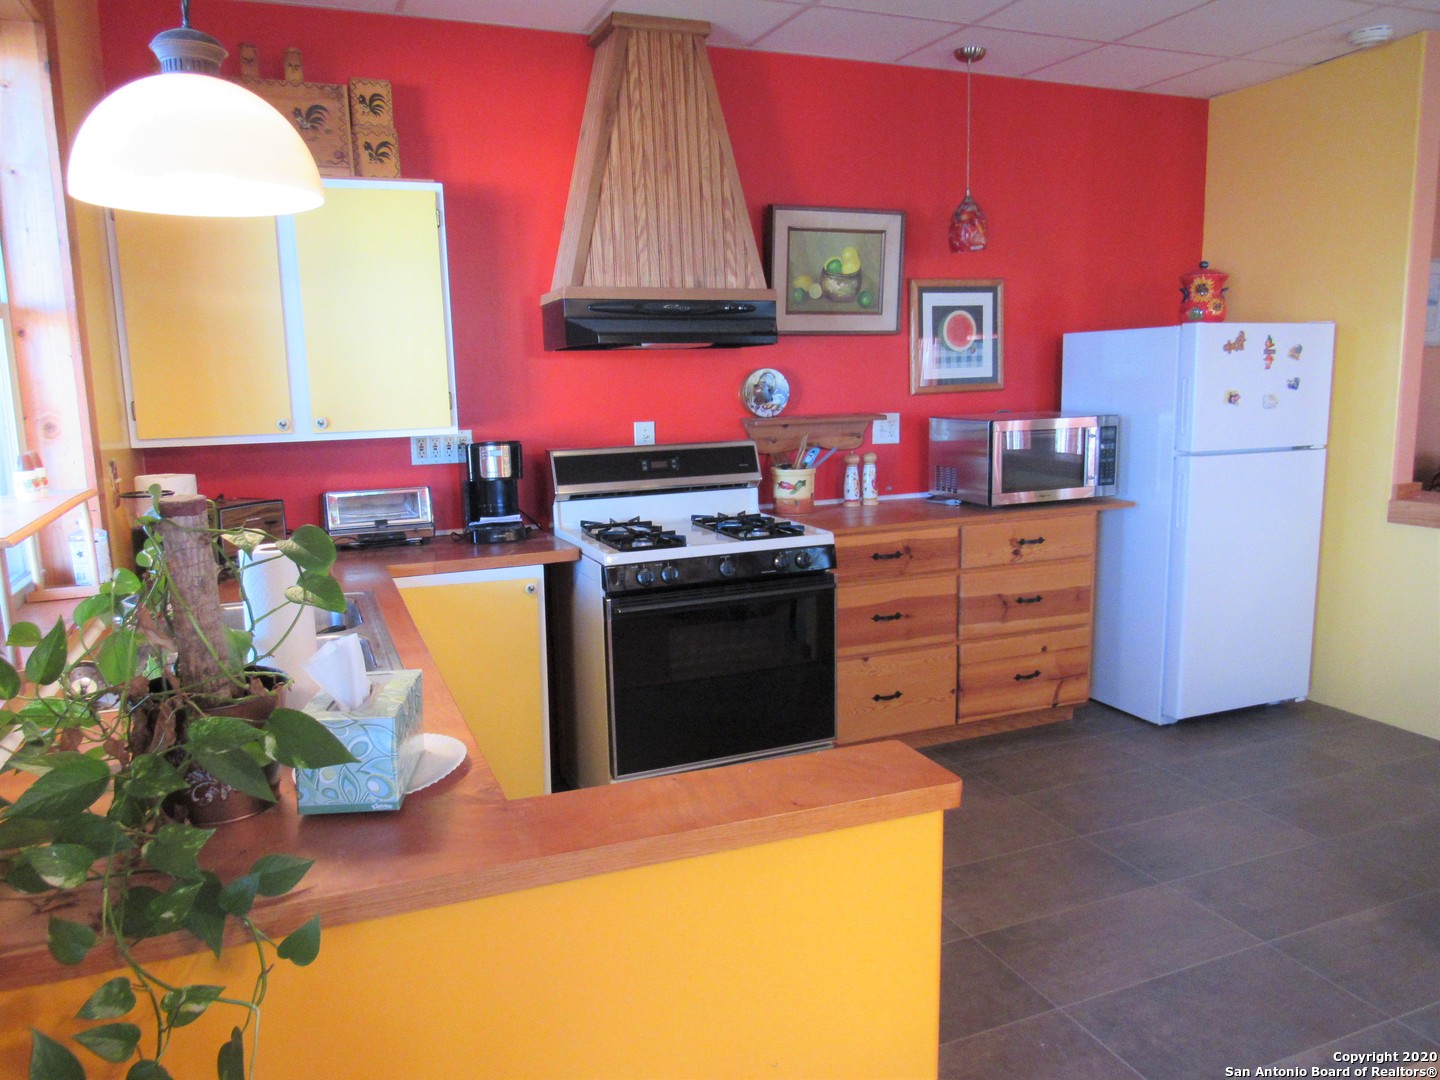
column 694, row 630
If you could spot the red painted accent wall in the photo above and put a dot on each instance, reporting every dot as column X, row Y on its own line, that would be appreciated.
column 1094, row 199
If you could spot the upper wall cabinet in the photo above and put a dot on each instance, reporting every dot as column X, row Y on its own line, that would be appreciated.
column 330, row 324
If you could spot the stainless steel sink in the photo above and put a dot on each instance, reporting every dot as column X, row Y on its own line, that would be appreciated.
column 361, row 617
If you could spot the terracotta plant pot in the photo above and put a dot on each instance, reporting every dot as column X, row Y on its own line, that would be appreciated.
column 209, row 800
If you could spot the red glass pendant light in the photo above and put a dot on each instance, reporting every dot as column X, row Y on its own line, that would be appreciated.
column 967, row 224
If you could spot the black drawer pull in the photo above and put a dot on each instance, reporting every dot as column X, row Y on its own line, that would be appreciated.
column 1029, row 599
column 1038, row 540
column 887, row 618
column 886, row 558
column 1027, row 678
column 896, row 696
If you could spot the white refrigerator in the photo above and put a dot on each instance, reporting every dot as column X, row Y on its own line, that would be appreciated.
column 1205, row 588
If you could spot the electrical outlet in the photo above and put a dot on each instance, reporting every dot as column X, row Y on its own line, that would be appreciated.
column 887, row 430
column 644, row 432
column 439, row 449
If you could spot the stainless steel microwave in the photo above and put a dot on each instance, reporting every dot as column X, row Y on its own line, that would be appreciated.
column 1006, row 459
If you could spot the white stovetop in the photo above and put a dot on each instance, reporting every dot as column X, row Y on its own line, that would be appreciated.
column 672, row 511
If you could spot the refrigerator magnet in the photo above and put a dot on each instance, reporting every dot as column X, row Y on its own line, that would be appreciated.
column 1235, row 345
column 1269, row 401
column 1232, row 397
column 1295, row 351
column 1292, row 384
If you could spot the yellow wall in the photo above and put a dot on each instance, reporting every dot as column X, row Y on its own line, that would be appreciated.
column 1310, row 206
column 810, row 957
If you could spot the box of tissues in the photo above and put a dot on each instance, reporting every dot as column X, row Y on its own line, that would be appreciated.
column 383, row 731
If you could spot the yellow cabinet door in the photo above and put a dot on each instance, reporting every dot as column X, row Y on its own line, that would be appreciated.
column 373, row 293
column 204, row 327
column 485, row 630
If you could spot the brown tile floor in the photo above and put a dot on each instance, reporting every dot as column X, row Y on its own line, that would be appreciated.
column 1256, row 889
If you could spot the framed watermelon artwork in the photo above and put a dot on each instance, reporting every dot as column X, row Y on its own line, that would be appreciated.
column 955, row 336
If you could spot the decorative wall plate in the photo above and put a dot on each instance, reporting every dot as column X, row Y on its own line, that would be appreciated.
column 766, row 392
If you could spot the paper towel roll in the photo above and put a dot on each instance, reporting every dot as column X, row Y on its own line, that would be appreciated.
column 265, row 574
column 174, row 482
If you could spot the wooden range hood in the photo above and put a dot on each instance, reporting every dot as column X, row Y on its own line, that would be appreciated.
column 657, row 248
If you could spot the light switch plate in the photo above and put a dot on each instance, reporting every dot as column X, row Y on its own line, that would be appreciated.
column 887, row 430
column 644, row 432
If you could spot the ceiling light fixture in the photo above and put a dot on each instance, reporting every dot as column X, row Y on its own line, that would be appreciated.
column 189, row 143
column 967, row 224
column 1367, row 36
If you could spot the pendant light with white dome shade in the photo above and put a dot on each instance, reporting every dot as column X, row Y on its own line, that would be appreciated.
column 189, row 143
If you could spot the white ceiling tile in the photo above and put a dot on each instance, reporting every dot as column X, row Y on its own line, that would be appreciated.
column 1333, row 41
column 1239, row 27
column 1006, row 51
column 1088, row 20
column 951, row 11
column 732, row 24
column 1054, row 40
column 1121, row 67
column 855, row 35
column 574, row 16
column 1221, row 78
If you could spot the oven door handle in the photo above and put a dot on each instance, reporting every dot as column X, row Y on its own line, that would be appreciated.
column 680, row 599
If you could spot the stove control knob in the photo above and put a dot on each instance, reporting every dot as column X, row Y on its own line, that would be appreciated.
column 802, row 559
column 670, row 573
column 727, row 567
column 645, row 576
column 781, row 560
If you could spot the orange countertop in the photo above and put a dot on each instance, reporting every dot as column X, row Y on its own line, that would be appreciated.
column 461, row 839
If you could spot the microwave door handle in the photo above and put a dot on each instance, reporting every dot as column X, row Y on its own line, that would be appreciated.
column 1092, row 456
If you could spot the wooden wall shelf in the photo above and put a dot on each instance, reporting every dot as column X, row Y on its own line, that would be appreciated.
column 779, row 435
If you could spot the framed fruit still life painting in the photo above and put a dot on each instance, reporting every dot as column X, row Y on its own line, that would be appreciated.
column 955, row 336
column 835, row 271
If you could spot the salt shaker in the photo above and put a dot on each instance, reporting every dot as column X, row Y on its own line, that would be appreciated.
column 871, row 494
column 852, row 479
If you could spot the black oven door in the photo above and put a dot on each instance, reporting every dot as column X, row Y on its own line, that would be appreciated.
column 704, row 676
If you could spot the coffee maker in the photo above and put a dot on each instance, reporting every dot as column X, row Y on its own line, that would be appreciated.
column 492, row 493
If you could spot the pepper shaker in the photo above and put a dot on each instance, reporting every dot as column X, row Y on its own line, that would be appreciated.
column 870, row 493
column 852, row 479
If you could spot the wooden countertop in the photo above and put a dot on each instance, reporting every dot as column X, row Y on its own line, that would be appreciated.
column 893, row 513
column 461, row 839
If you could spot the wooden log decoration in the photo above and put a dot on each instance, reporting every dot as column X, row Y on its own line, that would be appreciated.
column 195, row 594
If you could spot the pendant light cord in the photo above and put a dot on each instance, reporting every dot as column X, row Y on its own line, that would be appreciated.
column 185, row 14
column 969, row 64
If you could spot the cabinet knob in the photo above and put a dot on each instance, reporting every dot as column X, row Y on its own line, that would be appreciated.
column 283, row 425
column 530, row 588
column 321, row 423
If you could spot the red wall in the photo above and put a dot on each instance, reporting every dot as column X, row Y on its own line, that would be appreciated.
column 1094, row 200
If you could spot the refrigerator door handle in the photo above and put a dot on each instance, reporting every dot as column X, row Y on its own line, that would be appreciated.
column 1182, row 411
column 1182, row 496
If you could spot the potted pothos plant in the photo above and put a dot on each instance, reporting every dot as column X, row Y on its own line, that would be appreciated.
column 116, row 716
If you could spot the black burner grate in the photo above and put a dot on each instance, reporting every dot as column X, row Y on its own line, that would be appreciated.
column 747, row 526
column 632, row 535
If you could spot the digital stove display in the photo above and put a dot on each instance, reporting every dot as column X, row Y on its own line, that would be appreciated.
column 632, row 535
column 747, row 526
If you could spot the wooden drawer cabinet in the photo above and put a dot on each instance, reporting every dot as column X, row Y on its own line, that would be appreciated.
column 1019, row 541
column 895, row 692
column 1037, row 597
column 1021, row 672
column 891, row 555
column 895, row 615
column 978, row 617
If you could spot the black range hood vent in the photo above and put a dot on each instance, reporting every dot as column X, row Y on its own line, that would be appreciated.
column 658, row 324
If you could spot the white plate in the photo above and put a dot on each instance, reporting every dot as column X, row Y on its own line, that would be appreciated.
column 766, row 392
column 438, row 759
